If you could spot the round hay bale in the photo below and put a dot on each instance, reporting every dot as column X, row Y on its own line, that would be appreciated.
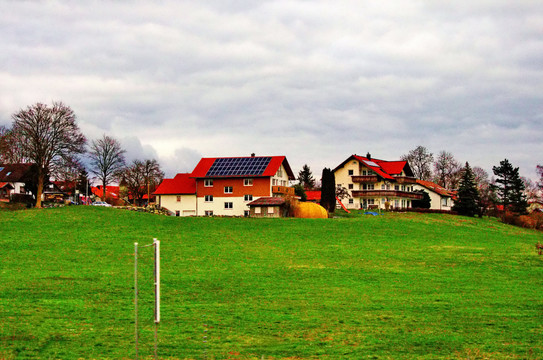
column 309, row 210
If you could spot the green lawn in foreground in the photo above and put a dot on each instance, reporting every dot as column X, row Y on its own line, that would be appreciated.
column 398, row 286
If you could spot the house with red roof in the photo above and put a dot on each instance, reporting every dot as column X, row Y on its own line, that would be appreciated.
column 440, row 198
column 178, row 195
column 225, row 186
column 112, row 192
column 15, row 179
column 376, row 184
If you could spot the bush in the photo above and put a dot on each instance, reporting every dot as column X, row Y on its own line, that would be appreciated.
column 531, row 221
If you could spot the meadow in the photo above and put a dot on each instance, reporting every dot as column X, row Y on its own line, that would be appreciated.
column 397, row 286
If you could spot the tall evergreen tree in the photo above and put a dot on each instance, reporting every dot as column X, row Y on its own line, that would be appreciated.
column 509, row 188
column 328, row 190
column 305, row 178
column 468, row 197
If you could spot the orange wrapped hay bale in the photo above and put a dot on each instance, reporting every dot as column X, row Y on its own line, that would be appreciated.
column 310, row 210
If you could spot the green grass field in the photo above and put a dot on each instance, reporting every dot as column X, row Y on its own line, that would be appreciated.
column 398, row 286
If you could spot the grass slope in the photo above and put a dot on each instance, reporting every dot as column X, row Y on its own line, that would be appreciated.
column 389, row 287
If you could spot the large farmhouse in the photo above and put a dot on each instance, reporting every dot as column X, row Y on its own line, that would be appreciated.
column 376, row 184
column 225, row 186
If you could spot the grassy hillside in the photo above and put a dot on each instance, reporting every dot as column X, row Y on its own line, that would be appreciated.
column 387, row 287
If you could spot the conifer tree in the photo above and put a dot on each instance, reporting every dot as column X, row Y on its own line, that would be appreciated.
column 305, row 178
column 509, row 187
column 468, row 197
column 328, row 190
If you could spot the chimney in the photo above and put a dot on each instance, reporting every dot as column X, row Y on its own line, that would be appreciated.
column 368, row 155
column 253, row 155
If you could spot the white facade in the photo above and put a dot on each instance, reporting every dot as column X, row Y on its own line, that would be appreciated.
column 180, row 205
column 437, row 201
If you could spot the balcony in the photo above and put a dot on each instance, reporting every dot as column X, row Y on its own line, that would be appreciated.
column 386, row 193
column 405, row 180
column 285, row 190
column 365, row 178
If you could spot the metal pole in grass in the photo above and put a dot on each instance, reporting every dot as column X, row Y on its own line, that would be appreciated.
column 156, row 246
column 136, row 293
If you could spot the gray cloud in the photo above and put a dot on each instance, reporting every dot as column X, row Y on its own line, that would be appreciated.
column 315, row 81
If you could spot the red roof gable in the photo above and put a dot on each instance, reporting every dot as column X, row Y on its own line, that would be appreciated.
column 180, row 184
column 383, row 168
column 201, row 170
column 435, row 188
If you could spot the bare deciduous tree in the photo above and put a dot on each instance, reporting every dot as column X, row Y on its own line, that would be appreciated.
column 47, row 135
column 140, row 177
column 153, row 176
column 106, row 160
column 420, row 160
column 447, row 171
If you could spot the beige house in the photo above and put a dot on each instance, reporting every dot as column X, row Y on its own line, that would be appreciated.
column 376, row 184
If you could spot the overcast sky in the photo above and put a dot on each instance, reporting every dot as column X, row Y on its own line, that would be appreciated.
column 316, row 81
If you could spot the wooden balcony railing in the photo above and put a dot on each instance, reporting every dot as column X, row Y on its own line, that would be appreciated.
column 285, row 190
column 365, row 178
column 386, row 193
column 405, row 180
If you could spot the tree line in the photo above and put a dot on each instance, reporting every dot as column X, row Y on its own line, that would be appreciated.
column 49, row 137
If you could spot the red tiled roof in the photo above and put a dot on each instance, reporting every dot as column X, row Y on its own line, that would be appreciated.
column 111, row 191
column 268, row 201
column 5, row 184
column 435, row 188
column 200, row 171
column 385, row 169
column 180, row 184
column 313, row 195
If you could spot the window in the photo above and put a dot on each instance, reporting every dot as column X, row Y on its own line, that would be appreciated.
column 371, row 201
column 382, row 186
column 248, row 198
column 177, row 213
column 351, row 172
column 280, row 172
column 247, row 182
column 208, row 182
column 351, row 201
column 371, row 187
column 209, row 212
column 364, row 172
column 208, row 198
column 228, row 205
column 271, row 210
column 228, row 189
column 246, row 213
column 396, row 187
column 178, row 198
column 258, row 210
column 351, row 186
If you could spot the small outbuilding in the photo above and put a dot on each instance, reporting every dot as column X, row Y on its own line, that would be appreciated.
column 268, row 207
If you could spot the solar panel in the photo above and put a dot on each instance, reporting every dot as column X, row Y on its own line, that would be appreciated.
column 253, row 166
column 371, row 163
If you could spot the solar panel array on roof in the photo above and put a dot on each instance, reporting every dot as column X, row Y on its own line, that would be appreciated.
column 253, row 166
column 371, row 163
